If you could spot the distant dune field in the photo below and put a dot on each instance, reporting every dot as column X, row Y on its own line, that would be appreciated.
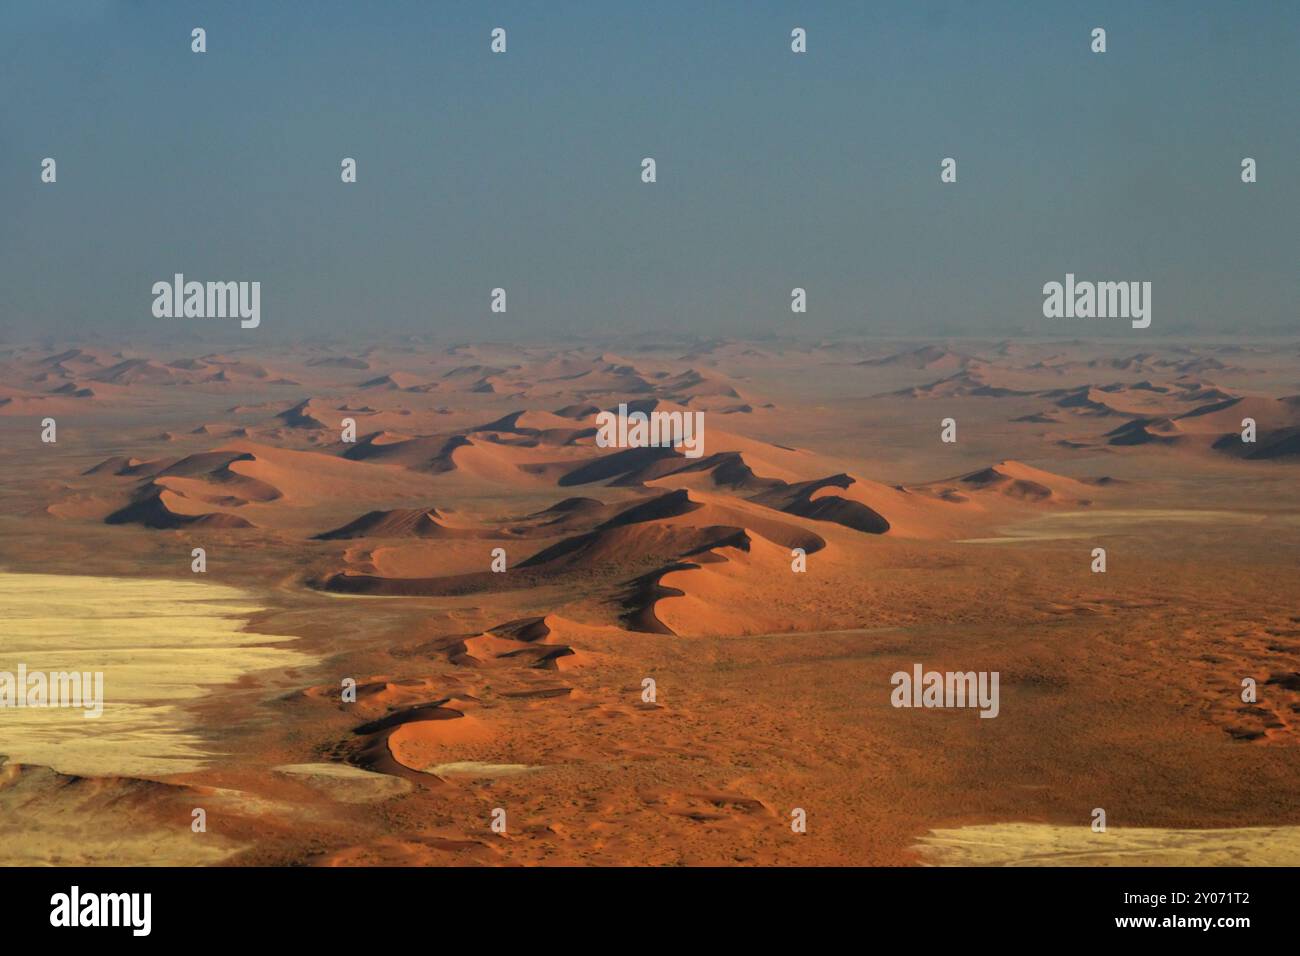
column 429, row 592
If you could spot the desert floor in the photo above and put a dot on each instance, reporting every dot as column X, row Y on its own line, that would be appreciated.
column 329, row 561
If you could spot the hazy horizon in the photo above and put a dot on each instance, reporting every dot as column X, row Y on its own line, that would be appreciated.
column 522, row 170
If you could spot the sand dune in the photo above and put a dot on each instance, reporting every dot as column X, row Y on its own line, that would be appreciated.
column 1146, row 431
column 541, row 427
column 803, row 499
column 410, row 741
column 926, row 357
column 419, row 454
column 17, row 401
column 1217, row 425
column 78, row 358
column 394, row 381
column 406, row 523
column 1226, row 416
column 306, row 414
column 141, row 371
column 530, row 641
column 713, row 593
column 568, row 513
column 615, row 547
column 641, row 534
column 1014, row 479
column 1272, row 445
column 156, row 507
column 338, row 361
column 74, row 390
column 968, row 383
column 249, row 483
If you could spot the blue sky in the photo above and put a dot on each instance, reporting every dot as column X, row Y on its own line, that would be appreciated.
column 522, row 170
